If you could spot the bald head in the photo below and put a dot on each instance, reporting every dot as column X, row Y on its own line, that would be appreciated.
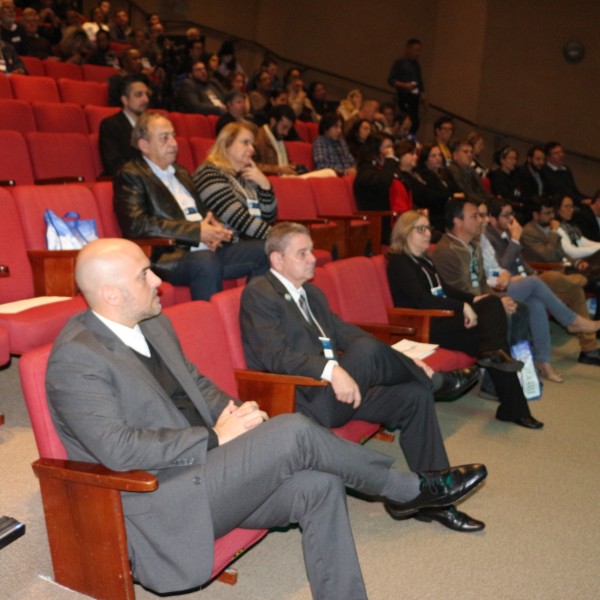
column 115, row 278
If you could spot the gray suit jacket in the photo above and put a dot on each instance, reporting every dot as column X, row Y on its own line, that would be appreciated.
column 108, row 409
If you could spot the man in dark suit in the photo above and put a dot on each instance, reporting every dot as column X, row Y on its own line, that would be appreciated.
column 122, row 394
column 528, row 175
column 197, row 94
column 288, row 327
column 557, row 177
column 587, row 218
column 114, row 139
column 156, row 197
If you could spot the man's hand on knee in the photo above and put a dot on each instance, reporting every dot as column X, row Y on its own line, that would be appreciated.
column 236, row 420
column 345, row 388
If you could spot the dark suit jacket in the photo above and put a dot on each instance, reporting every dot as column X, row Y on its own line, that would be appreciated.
column 561, row 182
column 527, row 183
column 586, row 220
column 277, row 338
column 114, row 142
column 192, row 97
column 146, row 208
column 108, row 409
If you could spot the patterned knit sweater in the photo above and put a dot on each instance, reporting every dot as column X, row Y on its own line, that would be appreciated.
column 227, row 197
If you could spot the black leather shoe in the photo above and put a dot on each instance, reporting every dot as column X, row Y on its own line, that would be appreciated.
column 589, row 358
column 451, row 518
column 528, row 422
column 499, row 359
column 439, row 488
column 450, row 385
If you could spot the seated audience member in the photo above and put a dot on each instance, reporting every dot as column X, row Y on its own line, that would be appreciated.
column 503, row 178
column 330, row 150
column 587, row 218
column 95, row 24
column 459, row 261
column 260, row 99
column 114, row 139
column 502, row 254
column 10, row 61
column 284, row 320
column 270, row 66
column 443, row 130
column 388, row 112
column 75, row 46
column 369, row 111
column 228, row 63
column 198, row 95
column 429, row 189
column 575, row 245
column 401, row 129
column 351, row 104
column 460, row 175
column 557, row 177
column 475, row 138
column 131, row 64
column 541, row 243
column 11, row 32
column 120, row 29
column 102, row 55
column 357, row 136
column 155, row 197
column 34, row 43
column 317, row 93
column 188, row 55
column 401, row 196
column 271, row 155
column 222, row 461
column 231, row 185
column 300, row 102
column 235, row 102
column 478, row 326
column 529, row 177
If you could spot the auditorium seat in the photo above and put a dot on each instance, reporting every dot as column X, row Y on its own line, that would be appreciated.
column 300, row 153
column 57, row 69
column 97, row 73
column 64, row 117
column 95, row 150
column 179, row 123
column 83, row 92
column 26, row 87
column 5, row 88
column 198, row 126
column 15, row 163
column 96, row 114
column 185, row 156
column 34, row 66
column 60, row 156
column 200, row 147
column 16, row 115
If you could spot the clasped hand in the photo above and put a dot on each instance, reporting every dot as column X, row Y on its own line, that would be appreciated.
column 213, row 233
column 236, row 420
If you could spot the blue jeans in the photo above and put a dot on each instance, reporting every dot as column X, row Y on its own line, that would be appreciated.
column 540, row 300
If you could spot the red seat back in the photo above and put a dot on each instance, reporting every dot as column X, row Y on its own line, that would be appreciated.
column 65, row 117
column 200, row 147
column 26, row 87
column 380, row 264
column 83, row 92
column 324, row 281
column 302, row 131
column 180, row 123
column 34, row 66
column 32, row 201
column 198, row 126
column 210, row 351
column 4, row 347
column 96, row 114
column 103, row 193
column 55, row 155
column 97, row 73
column 185, row 156
column 294, row 198
column 331, row 196
column 227, row 304
column 5, row 88
column 15, row 162
column 351, row 278
column 16, row 115
column 57, row 69
column 300, row 153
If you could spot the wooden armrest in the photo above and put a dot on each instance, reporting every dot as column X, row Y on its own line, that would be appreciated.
column 346, row 217
column 307, row 221
column 418, row 318
column 275, row 394
column 376, row 213
column 60, row 180
column 95, row 475
column 53, row 272
column 547, row 266
column 154, row 241
column 388, row 332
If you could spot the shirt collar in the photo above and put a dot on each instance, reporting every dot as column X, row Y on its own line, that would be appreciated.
column 130, row 336
column 161, row 173
column 293, row 291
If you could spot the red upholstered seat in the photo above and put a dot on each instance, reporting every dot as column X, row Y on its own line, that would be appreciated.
column 97, row 73
column 96, row 114
column 185, row 156
column 95, row 150
column 16, row 115
column 34, row 66
column 84, row 515
column 58, row 155
column 198, row 126
column 300, row 153
column 4, row 347
column 26, row 87
column 180, row 123
column 5, row 88
column 57, row 70
column 65, row 117
column 200, row 147
column 15, row 162
column 83, row 92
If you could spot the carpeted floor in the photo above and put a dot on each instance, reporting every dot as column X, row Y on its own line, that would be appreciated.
column 540, row 503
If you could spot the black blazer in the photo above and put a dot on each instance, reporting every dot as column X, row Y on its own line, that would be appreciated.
column 114, row 142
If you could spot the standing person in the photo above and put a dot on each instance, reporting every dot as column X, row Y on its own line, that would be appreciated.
column 288, row 327
column 122, row 394
column 405, row 76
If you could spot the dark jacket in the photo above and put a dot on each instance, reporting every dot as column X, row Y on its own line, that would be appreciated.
column 114, row 142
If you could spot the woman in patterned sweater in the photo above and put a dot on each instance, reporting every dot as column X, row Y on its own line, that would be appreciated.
column 233, row 188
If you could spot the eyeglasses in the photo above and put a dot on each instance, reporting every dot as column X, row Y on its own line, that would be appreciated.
column 483, row 215
column 422, row 228
column 508, row 214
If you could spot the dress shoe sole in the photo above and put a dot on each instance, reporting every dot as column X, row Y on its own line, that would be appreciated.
column 507, row 367
column 456, row 394
column 527, row 423
column 453, row 522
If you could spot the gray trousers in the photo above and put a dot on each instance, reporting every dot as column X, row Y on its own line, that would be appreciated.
column 291, row 470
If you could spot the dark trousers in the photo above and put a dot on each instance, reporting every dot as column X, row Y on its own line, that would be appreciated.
column 395, row 392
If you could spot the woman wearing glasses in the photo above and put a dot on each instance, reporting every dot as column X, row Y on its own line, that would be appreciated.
column 478, row 327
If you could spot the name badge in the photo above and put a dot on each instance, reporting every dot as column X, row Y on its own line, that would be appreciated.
column 327, row 348
column 254, row 208
column 438, row 291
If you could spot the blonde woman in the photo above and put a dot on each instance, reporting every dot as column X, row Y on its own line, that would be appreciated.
column 351, row 104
